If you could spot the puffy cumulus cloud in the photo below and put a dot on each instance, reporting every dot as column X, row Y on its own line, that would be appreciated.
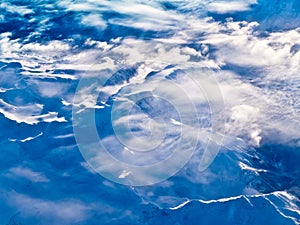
column 255, row 114
column 244, row 122
column 241, row 45
column 274, row 62
column 94, row 20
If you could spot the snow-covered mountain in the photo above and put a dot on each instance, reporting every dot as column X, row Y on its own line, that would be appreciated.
column 149, row 112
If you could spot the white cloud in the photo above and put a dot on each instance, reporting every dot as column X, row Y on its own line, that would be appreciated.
column 30, row 114
column 35, row 58
column 49, row 212
column 233, row 43
column 94, row 20
column 242, row 113
column 241, row 45
column 260, row 107
column 27, row 139
column 140, row 15
column 236, row 43
column 276, row 64
column 223, row 7
column 51, row 89
column 22, row 10
column 27, row 173
column 49, row 47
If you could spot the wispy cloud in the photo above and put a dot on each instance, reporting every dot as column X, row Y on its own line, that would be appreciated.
column 27, row 173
